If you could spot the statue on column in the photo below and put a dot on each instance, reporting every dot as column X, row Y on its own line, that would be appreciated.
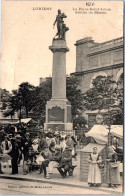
column 61, row 27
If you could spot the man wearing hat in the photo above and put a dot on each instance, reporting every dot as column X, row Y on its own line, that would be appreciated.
column 19, row 141
column 14, row 156
column 66, row 162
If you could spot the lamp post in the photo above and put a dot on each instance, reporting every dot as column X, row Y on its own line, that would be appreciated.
column 20, row 101
column 102, row 101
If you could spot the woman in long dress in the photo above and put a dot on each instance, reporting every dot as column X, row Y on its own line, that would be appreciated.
column 94, row 175
column 113, row 174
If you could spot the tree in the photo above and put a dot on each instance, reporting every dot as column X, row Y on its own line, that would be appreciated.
column 21, row 99
column 79, row 120
column 9, row 112
column 105, row 94
column 34, row 99
column 13, row 105
column 74, row 95
column 26, row 96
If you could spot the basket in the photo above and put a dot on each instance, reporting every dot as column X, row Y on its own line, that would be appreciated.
column 114, row 164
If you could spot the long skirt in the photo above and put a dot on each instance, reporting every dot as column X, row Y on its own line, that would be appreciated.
column 113, row 175
column 94, row 175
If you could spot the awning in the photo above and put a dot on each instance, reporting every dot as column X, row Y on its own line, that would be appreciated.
column 100, row 132
column 5, row 122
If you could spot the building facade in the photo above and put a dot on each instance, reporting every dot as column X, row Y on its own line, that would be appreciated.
column 98, row 59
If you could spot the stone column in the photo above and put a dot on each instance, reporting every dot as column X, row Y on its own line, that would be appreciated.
column 58, row 109
column 59, row 50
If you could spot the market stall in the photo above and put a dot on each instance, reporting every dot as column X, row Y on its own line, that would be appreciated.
column 98, row 136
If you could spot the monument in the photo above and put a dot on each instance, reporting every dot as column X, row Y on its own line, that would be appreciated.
column 58, row 109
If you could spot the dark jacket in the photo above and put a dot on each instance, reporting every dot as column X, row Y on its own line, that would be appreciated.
column 66, row 156
column 57, row 157
column 15, row 150
column 42, row 144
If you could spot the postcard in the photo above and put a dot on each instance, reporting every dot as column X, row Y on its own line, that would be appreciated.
column 61, row 97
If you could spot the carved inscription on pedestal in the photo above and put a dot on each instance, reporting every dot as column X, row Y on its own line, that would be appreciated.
column 56, row 114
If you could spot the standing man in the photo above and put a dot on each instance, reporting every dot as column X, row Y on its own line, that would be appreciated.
column 42, row 142
column 25, row 150
column 14, row 156
column 94, row 175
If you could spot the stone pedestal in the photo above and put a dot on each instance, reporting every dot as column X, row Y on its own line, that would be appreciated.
column 58, row 109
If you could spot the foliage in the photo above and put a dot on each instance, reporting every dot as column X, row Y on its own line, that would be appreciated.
column 26, row 96
column 74, row 95
column 21, row 99
column 107, row 95
column 34, row 99
column 79, row 120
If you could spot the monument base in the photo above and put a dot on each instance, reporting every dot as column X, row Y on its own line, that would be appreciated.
column 58, row 115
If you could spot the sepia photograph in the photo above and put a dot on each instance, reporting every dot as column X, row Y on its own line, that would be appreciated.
column 61, row 97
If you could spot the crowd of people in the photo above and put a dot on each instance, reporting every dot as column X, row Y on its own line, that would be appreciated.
column 50, row 150
column 44, row 152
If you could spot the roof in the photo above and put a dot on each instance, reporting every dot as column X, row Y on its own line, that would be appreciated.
column 90, row 146
column 25, row 120
column 100, row 132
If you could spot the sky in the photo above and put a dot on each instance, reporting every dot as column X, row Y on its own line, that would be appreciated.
column 26, row 35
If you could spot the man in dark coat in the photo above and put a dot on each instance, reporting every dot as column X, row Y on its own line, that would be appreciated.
column 66, row 162
column 15, row 156
column 25, row 150
column 42, row 142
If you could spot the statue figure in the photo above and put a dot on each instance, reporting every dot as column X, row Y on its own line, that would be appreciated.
column 61, row 27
